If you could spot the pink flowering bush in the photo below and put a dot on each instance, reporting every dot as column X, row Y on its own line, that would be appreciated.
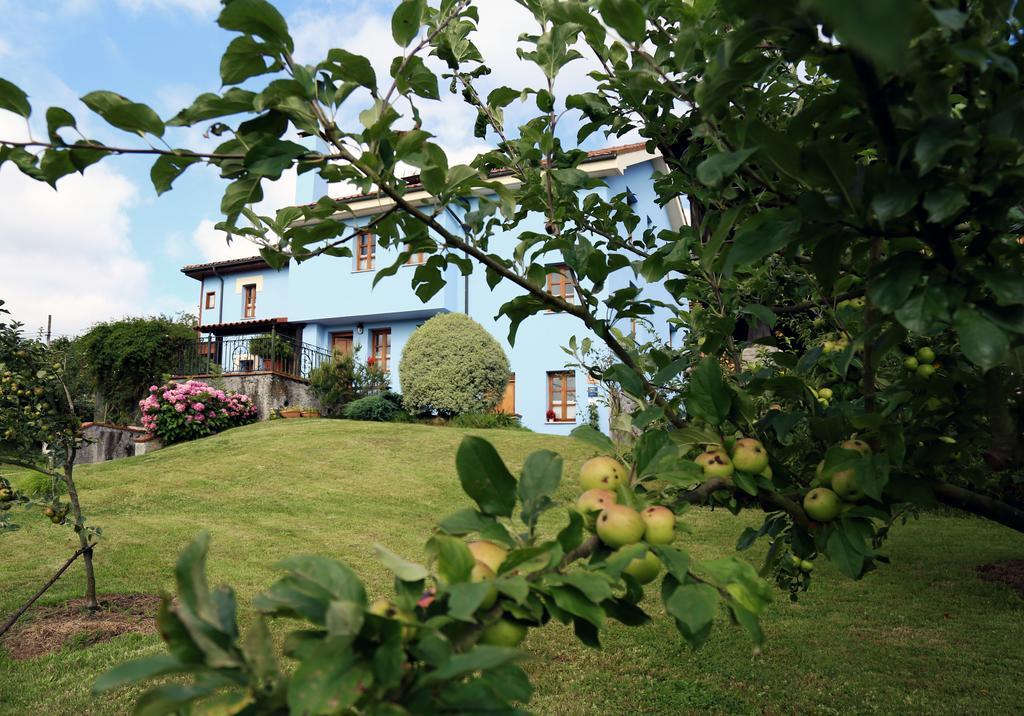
column 176, row 412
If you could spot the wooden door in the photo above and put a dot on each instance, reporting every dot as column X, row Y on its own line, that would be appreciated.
column 508, row 399
column 341, row 343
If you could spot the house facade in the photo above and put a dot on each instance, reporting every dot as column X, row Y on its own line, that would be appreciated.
column 330, row 304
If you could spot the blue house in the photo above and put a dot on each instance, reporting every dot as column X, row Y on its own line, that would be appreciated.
column 329, row 305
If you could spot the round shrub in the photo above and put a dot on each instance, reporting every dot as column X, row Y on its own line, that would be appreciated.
column 452, row 365
column 372, row 407
column 185, row 411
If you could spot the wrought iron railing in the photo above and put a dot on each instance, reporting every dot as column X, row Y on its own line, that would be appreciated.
column 250, row 354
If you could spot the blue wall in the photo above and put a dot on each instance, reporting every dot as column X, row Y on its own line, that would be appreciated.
column 271, row 295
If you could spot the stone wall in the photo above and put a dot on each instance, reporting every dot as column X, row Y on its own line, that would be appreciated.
column 270, row 391
column 107, row 442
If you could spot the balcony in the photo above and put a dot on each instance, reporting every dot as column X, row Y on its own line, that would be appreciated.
column 250, row 354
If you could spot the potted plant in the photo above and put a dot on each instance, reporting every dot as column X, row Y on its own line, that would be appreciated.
column 308, row 412
column 288, row 412
column 273, row 349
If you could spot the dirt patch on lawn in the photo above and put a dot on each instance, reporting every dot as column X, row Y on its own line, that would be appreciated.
column 45, row 629
column 1010, row 573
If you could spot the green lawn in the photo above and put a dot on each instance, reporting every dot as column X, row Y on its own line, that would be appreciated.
column 921, row 636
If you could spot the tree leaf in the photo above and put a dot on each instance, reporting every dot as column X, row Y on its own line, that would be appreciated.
column 541, row 475
column 943, row 204
column 465, row 598
column 167, row 168
column 139, row 670
column 485, row 478
column 403, row 569
column 270, row 156
column 14, row 99
column 482, row 657
column 627, row 378
column 894, row 204
column 454, row 560
column 330, row 683
column 896, row 280
column 244, row 58
column 256, row 17
column 693, row 607
column 626, row 17
column 575, row 602
column 709, row 397
column 57, row 118
column 983, row 342
column 719, row 167
column 124, row 114
column 765, row 233
column 880, row 29
column 594, row 437
column 353, row 68
column 405, row 22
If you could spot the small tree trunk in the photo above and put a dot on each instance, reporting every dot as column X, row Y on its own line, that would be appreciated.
column 83, row 540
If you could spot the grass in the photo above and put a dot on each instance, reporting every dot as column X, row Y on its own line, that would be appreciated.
column 921, row 636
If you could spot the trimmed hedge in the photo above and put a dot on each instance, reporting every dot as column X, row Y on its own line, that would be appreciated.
column 486, row 421
column 373, row 407
column 452, row 365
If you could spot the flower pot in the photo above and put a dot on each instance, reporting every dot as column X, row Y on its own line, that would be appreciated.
column 291, row 413
column 311, row 413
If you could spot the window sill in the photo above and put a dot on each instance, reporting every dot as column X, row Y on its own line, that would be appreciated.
column 560, row 422
column 369, row 270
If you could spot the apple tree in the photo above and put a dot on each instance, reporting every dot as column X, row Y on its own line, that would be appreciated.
column 848, row 279
column 40, row 432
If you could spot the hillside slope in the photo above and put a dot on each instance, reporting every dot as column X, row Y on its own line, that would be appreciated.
column 337, row 487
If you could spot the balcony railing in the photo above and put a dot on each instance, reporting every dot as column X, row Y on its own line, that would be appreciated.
column 251, row 354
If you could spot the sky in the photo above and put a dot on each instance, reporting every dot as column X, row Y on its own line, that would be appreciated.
column 105, row 246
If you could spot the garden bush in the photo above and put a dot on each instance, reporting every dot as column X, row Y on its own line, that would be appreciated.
column 124, row 357
column 452, row 365
column 271, row 346
column 486, row 421
column 372, row 407
column 177, row 412
column 344, row 379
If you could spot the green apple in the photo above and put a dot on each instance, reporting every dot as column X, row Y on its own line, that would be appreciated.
column 387, row 609
column 643, row 569
column 846, row 484
column 604, row 473
column 489, row 553
column 822, row 505
column 825, row 393
column 715, row 463
column 856, row 445
column 766, row 473
column 819, row 472
column 594, row 501
column 504, row 632
column 806, row 565
column 925, row 355
column 659, row 525
column 482, row 573
column 749, row 455
column 925, row 370
column 619, row 525
column 910, row 363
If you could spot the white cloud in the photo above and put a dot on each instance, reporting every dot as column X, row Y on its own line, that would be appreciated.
column 200, row 8
column 68, row 253
column 212, row 245
column 5, row 47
